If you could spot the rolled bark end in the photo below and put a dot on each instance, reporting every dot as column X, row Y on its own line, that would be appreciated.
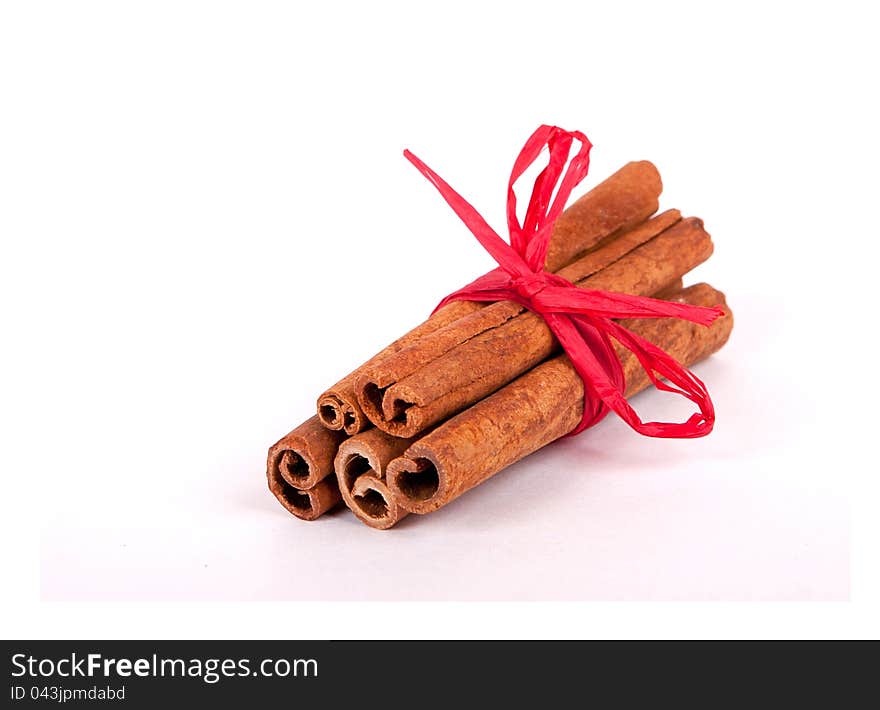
column 360, row 470
column 388, row 411
column 351, row 466
column 416, row 483
column 374, row 503
column 305, row 456
column 339, row 413
column 372, row 398
column 304, row 504
column 294, row 466
column 330, row 412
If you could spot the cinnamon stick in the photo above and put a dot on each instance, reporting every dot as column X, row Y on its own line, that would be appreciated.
column 670, row 292
column 451, row 369
column 298, row 470
column 360, row 471
column 338, row 408
column 304, row 457
column 434, row 345
column 537, row 408
column 622, row 201
column 362, row 462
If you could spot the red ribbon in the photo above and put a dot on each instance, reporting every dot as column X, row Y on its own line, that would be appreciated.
column 581, row 319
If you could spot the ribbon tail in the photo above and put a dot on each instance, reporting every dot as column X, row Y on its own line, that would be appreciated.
column 581, row 319
column 592, row 355
column 609, row 304
column 500, row 250
column 492, row 283
column 658, row 362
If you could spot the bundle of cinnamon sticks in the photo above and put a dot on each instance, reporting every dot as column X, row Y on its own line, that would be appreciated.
column 477, row 387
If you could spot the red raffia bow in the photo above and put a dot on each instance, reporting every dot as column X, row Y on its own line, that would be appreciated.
column 581, row 319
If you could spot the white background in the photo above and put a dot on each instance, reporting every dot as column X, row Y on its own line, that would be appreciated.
column 206, row 219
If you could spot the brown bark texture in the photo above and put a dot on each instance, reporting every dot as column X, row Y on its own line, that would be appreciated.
column 360, row 470
column 618, row 203
column 453, row 368
column 537, row 408
column 304, row 457
column 299, row 470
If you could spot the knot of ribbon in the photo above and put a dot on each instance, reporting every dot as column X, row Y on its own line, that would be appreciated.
column 530, row 285
column 583, row 320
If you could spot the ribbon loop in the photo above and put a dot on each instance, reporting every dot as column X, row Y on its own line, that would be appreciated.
column 581, row 319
